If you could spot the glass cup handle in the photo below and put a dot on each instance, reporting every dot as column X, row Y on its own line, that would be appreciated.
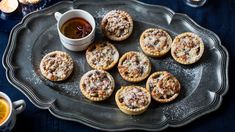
column 57, row 16
column 19, row 106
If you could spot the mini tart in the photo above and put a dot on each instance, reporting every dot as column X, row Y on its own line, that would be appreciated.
column 117, row 25
column 102, row 56
column 56, row 66
column 97, row 85
column 187, row 48
column 155, row 42
column 163, row 86
column 134, row 66
column 132, row 100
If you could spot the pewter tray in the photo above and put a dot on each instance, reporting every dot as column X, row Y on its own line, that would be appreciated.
column 203, row 83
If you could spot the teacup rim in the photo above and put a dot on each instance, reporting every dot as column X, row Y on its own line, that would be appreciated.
column 83, row 38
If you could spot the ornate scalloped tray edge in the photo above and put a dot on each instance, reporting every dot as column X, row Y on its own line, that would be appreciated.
column 54, row 107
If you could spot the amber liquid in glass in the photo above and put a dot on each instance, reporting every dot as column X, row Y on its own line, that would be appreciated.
column 76, row 28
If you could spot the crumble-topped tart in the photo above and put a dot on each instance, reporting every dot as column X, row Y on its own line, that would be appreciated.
column 134, row 66
column 163, row 86
column 97, row 85
column 187, row 48
column 117, row 25
column 102, row 55
column 155, row 42
column 132, row 100
column 56, row 66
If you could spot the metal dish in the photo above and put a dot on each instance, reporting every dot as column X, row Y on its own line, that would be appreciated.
column 203, row 84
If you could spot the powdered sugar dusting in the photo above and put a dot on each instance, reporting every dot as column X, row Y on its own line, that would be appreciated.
column 29, row 57
column 175, row 112
column 34, row 79
column 188, row 76
column 70, row 87
column 101, row 13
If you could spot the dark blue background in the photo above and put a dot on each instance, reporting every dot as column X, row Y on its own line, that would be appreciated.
column 217, row 16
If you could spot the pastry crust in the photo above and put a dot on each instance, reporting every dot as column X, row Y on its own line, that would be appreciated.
column 102, row 56
column 163, row 86
column 117, row 25
column 97, row 85
column 155, row 42
column 187, row 48
column 56, row 66
column 133, row 100
column 134, row 66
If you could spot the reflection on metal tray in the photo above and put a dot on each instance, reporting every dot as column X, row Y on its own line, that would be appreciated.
column 203, row 83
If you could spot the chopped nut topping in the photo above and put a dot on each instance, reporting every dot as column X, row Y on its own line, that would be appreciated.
column 134, row 65
column 155, row 40
column 117, row 24
column 166, row 87
column 98, row 84
column 102, row 55
column 187, row 48
column 134, row 98
column 154, row 80
column 56, row 65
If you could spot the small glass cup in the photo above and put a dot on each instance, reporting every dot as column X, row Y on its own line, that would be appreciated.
column 195, row 3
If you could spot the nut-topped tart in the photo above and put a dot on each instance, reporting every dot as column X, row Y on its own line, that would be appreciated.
column 134, row 66
column 56, row 66
column 117, row 25
column 163, row 86
column 102, row 55
column 155, row 42
column 187, row 48
column 132, row 100
column 97, row 85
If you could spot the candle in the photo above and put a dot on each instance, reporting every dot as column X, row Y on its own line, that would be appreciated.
column 8, row 6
